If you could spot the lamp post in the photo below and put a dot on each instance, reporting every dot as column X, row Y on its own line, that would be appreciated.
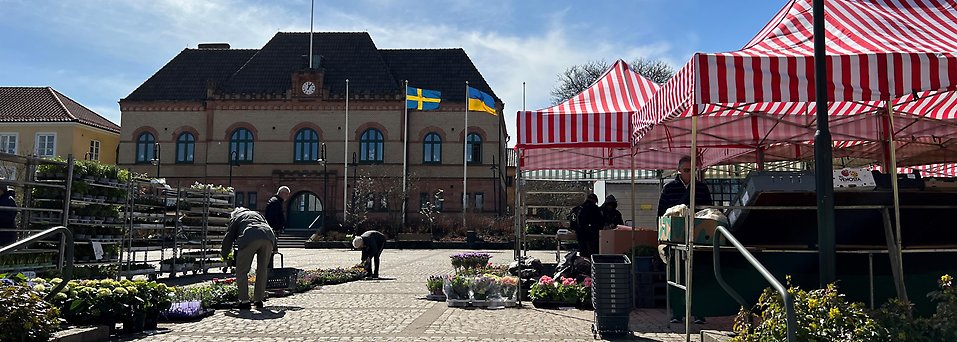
column 233, row 155
column 494, row 185
column 156, row 158
column 325, row 179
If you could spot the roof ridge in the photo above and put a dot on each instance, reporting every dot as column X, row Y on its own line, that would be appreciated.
column 424, row 49
column 53, row 92
column 77, row 118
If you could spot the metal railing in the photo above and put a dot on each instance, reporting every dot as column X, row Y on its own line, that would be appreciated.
column 720, row 231
column 66, row 243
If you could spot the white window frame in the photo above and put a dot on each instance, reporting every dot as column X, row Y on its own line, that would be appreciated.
column 36, row 144
column 16, row 142
column 95, row 149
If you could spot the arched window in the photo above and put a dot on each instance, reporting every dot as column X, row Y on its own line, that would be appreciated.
column 144, row 148
column 432, row 149
column 241, row 142
column 474, row 149
column 185, row 148
column 370, row 146
column 306, row 146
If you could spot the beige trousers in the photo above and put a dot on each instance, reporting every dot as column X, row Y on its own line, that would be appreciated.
column 262, row 249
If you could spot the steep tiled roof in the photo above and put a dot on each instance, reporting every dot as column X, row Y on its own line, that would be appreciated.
column 445, row 70
column 345, row 55
column 44, row 104
column 185, row 77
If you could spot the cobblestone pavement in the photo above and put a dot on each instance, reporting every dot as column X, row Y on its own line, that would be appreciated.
column 394, row 309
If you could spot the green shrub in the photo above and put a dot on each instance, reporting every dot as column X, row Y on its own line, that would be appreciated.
column 821, row 315
column 25, row 316
column 898, row 316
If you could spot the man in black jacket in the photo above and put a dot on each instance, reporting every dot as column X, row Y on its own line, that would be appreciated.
column 678, row 192
column 372, row 243
column 590, row 221
column 609, row 210
column 275, row 209
column 8, row 218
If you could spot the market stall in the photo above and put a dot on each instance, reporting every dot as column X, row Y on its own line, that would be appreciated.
column 890, row 93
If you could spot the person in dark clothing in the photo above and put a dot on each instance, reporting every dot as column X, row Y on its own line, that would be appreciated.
column 609, row 211
column 275, row 209
column 249, row 230
column 678, row 192
column 590, row 221
column 371, row 243
column 8, row 218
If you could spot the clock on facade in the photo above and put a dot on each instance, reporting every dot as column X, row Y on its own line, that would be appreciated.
column 308, row 88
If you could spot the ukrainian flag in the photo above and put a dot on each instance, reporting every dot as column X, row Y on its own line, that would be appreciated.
column 422, row 99
column 481, row 102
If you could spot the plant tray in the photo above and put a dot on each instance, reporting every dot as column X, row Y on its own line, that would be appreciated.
column 282, row 278
column 457, row 303
column 437, row 298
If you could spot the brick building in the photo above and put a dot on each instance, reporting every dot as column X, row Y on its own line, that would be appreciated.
column 269, row 112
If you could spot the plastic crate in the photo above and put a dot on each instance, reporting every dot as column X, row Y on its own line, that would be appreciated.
column 282, row 278
column 611, row 323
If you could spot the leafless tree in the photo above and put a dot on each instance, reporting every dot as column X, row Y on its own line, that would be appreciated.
column 577, row 78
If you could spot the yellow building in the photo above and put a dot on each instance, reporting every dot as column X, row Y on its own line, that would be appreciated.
column 42, row 121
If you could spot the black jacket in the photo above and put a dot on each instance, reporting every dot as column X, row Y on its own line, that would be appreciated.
column 373, row 242
column 590, row 219
column 675, row 192
column 612, row 215
column 8, row 218
column 274, row 213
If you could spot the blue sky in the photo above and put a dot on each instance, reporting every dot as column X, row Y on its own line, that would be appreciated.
column 98, row 51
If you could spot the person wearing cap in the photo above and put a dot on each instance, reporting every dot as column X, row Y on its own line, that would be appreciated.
column 609, row 211
column 590, row 221
column 371, row 243
column 8, row 218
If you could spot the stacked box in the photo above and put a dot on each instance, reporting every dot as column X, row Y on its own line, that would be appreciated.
column 612, row 294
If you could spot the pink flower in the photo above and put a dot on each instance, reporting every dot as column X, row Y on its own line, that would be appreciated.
column 587, row 282
column 568, row 281
column 546, row 280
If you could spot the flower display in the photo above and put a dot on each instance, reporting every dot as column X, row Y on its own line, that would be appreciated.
column 485, row 287
column 509, row 285
column 434, row 284
column 456, row 287
column 470, row 260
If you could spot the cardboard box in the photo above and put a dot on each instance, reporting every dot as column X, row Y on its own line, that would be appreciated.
column 854, row 179
column 672, row 229
column 619, row 240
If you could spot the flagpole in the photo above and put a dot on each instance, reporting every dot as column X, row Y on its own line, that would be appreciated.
column 405, row 156
column 345, row 161
column 312, row 12
column 465, row 160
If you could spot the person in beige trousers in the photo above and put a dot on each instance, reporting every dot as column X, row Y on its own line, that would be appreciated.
column 249, row 230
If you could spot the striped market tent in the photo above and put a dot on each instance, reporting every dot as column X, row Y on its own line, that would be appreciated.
column 590, row 131
column 758, row 102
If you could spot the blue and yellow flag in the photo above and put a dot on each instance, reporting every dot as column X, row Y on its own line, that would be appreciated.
column 422, row 99
column 481, row 102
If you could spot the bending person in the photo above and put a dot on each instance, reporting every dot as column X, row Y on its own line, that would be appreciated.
column 254, row 237
column 371, row 243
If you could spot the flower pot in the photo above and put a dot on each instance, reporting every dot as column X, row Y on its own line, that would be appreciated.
column 550, row 304
column 135, row 324
column 151, row 321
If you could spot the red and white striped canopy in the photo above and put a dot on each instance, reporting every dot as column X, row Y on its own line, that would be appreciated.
column 903, row 51
column 588, row 131
column 930, row 170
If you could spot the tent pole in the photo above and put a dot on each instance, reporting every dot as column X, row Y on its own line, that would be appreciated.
column 823, row 162
column 897, row 265
column 689, row 224
column 634, row 220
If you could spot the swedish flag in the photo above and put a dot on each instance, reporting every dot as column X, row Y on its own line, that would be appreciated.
column 422, row 99
column 481, row 102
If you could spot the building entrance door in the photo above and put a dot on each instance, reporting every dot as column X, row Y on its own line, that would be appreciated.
column 304, row 208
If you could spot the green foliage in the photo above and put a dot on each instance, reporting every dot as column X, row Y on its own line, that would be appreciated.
column 821, row 315
column 898, row 316
column 25, row 316
column 434, row 284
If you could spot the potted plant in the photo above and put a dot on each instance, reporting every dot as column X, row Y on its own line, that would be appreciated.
column 544, row 293
column 483, row 288
column 456, row 289
column 434, row 285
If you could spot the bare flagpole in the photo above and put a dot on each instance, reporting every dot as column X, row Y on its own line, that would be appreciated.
column 312, row 12
column 405, row 156
column 345, row 161
column 465, row 159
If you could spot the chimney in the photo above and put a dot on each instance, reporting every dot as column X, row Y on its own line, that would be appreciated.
column 213, row 46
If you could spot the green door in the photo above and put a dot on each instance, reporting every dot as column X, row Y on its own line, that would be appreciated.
column 304, row 208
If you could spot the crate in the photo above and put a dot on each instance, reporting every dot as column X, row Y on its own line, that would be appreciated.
column 282, row 278
column 611, row 323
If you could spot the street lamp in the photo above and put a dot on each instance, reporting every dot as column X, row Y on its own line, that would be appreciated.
column 325, row 179
column 156, row 158
column 233, row 156
column 494, row 185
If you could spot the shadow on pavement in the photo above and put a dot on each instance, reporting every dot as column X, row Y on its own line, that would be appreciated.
column 267, row 313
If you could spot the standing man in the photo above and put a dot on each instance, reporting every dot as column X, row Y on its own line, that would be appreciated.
column 372, row 243
column 676, row 192
column 275, row 210
column 8, row 218
column 590, row 222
